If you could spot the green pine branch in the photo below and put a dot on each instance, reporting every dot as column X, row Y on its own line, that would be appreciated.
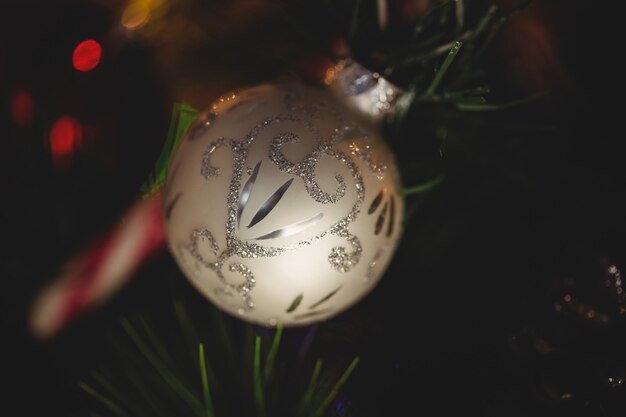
column 143, row 378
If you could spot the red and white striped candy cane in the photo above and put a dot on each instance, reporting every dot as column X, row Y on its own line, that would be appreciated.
column 94, row 275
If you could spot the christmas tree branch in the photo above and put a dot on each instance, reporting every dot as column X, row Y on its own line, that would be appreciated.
column 175, row 384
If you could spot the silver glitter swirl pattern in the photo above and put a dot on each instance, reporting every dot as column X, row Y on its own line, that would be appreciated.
column 196, row 236
column 341, row 259
column 244, row 289
column 305, row 169
column 364, row 152
column 206, row 169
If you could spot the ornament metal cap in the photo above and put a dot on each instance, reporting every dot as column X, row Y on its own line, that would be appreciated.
column 365, row 92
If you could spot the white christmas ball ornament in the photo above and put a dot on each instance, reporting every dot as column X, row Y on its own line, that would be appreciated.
column 279, row 207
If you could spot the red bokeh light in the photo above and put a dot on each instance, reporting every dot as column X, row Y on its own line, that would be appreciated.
column 65, row 135
column 87, row 55
column 22, row 108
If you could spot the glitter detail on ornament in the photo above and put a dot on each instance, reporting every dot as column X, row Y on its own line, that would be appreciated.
column 227, row 296
column 339, row 259
column 364, row 152
column 314, row 111
column 203, row 235
column 206, row 170
column 244, row 289
column 223, row 100
column 306, row 169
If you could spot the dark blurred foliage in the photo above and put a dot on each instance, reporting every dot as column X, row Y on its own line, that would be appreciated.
column 465, row 320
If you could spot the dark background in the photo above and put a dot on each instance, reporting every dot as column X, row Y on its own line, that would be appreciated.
column 464, row 319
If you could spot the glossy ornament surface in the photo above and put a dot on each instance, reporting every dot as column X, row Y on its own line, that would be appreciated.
column 280, row 207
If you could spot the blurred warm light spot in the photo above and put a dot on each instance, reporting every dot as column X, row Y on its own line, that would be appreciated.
column 223, row 99
column 66, row 135
column 87, row 55
column 22, row 108
column 530, row 45
column 329, row 76
column 136, row 14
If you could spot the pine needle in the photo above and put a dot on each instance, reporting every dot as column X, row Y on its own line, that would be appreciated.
column 104, row 400
column 188, row 330
column 206, row 393
column 422, row 188
column 420, row 26
column 308, row 393
column 155, row 342
column 154, row 401
column 444, row 68
column 117, row 394
column 460, row 15
column 354, row 24
column 259, row 398
column 484, row 22
column 335, row 390
column 271, row 356
column 495, row 107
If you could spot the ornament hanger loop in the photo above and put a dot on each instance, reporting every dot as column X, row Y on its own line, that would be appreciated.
column 363, row 91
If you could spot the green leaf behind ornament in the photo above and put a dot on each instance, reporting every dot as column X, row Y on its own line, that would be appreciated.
column 182, row 117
